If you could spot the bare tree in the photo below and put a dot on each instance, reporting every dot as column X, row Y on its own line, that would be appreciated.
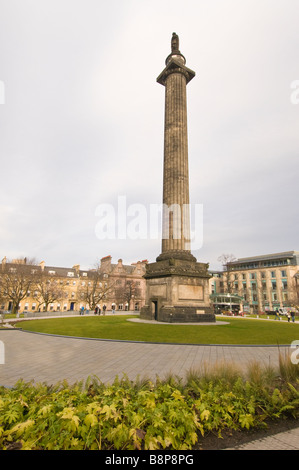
column 128, row 292
column 17, row 280
column 47, row 290
column 95, row 288
column 225, row 260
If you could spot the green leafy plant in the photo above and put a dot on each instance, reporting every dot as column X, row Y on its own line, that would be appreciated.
column 167, row 414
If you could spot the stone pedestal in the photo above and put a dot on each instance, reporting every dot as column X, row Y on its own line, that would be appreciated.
column 177, row 290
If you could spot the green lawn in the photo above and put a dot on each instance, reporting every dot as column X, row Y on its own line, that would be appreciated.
column 238, row 331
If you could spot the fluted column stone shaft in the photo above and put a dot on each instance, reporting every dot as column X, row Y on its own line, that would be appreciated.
column 176, row 210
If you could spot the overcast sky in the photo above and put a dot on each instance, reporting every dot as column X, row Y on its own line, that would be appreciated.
column 82, row 123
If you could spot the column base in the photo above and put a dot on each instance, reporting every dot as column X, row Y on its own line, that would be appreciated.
column 177, row 292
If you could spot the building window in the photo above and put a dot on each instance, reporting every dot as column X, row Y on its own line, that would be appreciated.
column 263, row 275
column 274, row 285
column 273, row 274
column 252, row 275
column 283, row 273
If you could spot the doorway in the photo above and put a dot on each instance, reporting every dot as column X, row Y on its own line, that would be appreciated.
column 155, row 309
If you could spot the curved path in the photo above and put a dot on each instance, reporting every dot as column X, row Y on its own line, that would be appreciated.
column 47, row 358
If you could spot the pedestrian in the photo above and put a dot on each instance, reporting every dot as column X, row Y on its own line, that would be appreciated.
column 289, row 317
column 113, row 308
column 99, row 310
column 293, row 316
column 104, row 309
column 82, row 310
column 96, row 310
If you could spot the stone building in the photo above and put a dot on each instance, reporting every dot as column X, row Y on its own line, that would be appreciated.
column 258, row 284
column 38, row 287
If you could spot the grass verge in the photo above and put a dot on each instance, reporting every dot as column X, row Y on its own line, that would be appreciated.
column 238, row 331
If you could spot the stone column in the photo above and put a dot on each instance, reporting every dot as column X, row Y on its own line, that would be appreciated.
column 176, row 217
column 177, row 286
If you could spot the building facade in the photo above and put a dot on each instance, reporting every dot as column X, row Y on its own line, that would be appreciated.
column 258, row 284
column 29, row 287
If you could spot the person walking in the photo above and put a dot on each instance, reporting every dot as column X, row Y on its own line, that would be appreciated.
column 293, row 316
column 104, row 309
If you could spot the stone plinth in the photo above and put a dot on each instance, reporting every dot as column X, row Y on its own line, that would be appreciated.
column 177, row 290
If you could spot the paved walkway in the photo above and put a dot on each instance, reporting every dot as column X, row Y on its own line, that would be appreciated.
column 48, row 358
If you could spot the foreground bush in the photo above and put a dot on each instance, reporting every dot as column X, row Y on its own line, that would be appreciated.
column 168, row 414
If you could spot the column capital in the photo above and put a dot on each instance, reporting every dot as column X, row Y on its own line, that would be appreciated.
column 175, row 63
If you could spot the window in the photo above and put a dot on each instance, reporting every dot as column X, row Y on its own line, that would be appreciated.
column 283, row 273
column 273, row 274
column 263, row 275
column 70, row 274
column 274, row 285
column 252, row 275
column 284, row 285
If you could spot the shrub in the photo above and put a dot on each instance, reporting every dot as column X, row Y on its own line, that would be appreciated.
column 167, row 414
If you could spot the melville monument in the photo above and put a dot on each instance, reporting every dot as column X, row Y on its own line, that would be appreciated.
column 177, row 286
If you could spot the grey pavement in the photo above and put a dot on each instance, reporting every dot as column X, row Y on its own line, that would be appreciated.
column 49, row 358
